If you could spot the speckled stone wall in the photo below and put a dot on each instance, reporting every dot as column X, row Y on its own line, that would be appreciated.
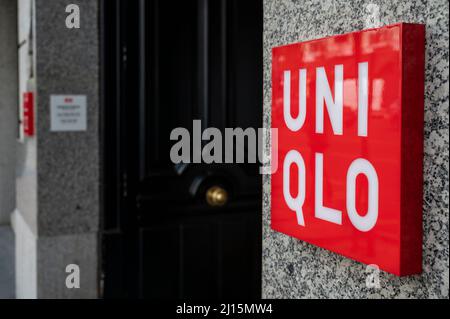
column 295, row 269
column 58, row 220
column 67, row 62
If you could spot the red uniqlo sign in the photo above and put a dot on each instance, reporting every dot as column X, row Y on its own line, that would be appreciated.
column 349, row 114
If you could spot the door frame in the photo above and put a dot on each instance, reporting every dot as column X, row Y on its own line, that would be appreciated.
column 112, row 246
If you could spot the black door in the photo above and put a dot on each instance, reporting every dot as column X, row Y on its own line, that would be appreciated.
column 189, row 230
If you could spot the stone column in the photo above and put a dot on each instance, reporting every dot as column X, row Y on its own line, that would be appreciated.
column 57, row 220
column 295, row 269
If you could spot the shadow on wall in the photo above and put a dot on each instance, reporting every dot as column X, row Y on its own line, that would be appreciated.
column 7, row 282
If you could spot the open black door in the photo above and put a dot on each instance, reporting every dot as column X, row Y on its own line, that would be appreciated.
column 165, row 64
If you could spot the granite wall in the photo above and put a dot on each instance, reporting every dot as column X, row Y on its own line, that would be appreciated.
column 57, row 220
column 295, row 269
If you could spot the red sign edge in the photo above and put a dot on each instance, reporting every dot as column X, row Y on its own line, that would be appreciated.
column 412, row 144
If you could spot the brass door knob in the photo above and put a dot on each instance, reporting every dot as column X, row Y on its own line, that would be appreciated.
column 216, row 196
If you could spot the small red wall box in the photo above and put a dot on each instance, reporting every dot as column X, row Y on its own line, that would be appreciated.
column 28, row 113
column 349, row 110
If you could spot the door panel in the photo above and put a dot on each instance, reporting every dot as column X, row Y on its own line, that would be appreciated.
column 207, row 257
column 170, row 55
column 172, row 63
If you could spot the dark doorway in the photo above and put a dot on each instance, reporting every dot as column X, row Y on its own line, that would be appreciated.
column 166, row 64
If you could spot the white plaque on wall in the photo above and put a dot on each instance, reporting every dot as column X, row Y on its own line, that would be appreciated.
column 68, row 113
